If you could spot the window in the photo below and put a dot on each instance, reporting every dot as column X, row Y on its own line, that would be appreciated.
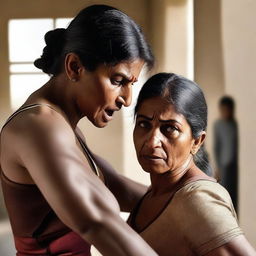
column 25, row 45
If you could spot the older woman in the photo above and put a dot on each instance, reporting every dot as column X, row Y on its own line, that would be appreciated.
column 54, row 187
column 185, row 212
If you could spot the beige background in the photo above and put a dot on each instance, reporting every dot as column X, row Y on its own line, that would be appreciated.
column 212, row 41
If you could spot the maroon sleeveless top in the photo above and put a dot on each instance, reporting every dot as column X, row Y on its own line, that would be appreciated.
column 36, row 228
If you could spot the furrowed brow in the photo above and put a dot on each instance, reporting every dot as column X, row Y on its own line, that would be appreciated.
column 145, row 117
column 169, row 121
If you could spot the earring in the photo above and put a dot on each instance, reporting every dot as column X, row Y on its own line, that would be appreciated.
column 192, row 152
column 73, row 80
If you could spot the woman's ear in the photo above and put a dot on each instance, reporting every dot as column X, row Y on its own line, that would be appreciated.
column 197, row 143
column 73, row 67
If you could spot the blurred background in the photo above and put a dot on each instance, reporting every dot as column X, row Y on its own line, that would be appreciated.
column 210, row 41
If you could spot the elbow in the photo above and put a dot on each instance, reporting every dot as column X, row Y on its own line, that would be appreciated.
column 95, row 225
column 94, row 218
column 87, row 208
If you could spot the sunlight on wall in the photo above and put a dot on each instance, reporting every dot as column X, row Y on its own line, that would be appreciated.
column 179, row 37
column 25, row 38
column 22, row 85
column 190, row 39
column 25, row 45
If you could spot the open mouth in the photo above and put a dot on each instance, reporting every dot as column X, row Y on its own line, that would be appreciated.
column 108, row 115
column 109, row 112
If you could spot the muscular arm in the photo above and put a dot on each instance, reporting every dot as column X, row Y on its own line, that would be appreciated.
column 126, row 191
column 47, row 149
column 238, row 246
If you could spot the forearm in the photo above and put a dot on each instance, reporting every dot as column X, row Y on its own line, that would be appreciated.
column 114, row 237
column 95, row 217
column 131, row 193
column 126, row 191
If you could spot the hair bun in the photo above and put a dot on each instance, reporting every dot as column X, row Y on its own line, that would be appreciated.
column 56, row 35
column 55, row 40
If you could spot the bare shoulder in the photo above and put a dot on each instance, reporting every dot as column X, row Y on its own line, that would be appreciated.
column 42, row 143
column 40, row 130
column 40, row 123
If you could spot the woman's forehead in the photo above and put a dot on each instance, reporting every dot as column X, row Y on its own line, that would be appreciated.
column 130, row 69
column 159, row 108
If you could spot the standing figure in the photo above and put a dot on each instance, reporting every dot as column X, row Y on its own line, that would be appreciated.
column 226, row 147
column 57, row 192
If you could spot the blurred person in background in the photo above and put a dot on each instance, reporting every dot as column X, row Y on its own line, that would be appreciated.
column 184, row 212
column 226, row 147
column 56, row 191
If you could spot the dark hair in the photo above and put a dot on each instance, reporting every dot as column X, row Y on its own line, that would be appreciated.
column 187, row 99
column 98, row 34
column 227, row 101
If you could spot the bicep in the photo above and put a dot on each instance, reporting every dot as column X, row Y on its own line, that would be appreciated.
column 238, row 246
column 63, row 175
column 126, row 191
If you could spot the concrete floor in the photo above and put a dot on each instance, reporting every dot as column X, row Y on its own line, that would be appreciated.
column 6, row 240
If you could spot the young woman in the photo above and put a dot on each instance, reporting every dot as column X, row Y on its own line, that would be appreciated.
column 185, row 212
column 53, row 185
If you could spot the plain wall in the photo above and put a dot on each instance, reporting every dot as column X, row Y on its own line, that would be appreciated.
column 225, row 55
column 239, row 62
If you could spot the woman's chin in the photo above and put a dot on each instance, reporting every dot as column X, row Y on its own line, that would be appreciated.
column 98, row 123
column 156, row 171
column 153, row 167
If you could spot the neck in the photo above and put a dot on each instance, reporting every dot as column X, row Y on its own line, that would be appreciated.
column 230, row 118
column 163, row 183
column 58, row 92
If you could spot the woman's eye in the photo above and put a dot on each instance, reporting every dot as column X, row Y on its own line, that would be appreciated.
column 117, row 82
column 142, row 124
column 171, row 129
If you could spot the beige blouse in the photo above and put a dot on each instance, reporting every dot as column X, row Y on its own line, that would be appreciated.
column 199, row 218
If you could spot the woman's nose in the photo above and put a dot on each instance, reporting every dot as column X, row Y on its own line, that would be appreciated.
column 125, row 97
column 154, row 139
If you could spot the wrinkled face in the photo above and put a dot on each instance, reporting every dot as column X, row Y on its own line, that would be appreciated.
column 106, row 90
column 162, row 137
